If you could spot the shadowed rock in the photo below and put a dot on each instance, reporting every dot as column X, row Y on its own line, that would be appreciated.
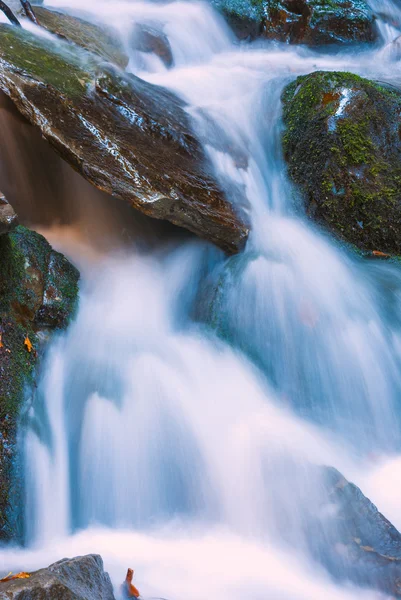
column 38, row 291
column 149, row 38
column 343, row 147
column 311, row 22
column 127, row 137
column 8, row 217
column 81, row 578
column 352, row 538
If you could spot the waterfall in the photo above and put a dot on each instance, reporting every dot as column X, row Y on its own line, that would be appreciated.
column 178, row 422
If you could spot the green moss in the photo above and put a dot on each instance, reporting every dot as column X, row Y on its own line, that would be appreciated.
column 342, row 144
column 70, row 72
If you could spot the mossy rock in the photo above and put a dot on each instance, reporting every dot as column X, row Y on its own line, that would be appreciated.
column 311, row 22
column 343, row 147
column 94, row 38
column 129, row 138
column 38, row 290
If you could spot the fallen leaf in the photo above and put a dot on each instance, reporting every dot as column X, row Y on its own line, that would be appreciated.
column 1, row 341
column 28, row 344
column 382, row 254
column 11, row 577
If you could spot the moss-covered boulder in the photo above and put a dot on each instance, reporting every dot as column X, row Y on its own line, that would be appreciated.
column 38, row 292
column 343, row 147
column 127, row 137
column 311, row 22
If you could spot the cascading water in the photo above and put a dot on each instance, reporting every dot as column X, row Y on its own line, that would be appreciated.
column 176, row 422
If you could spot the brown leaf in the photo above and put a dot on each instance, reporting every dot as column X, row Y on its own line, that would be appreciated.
column 28, row 344
column 1, row 341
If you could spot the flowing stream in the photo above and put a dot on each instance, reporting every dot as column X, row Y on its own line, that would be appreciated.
column 178, row 420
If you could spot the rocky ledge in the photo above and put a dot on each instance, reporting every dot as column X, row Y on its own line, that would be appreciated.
column 38, row 293
column 127, row 137
column 343, row 148
column 80, row 578
column 311, row 22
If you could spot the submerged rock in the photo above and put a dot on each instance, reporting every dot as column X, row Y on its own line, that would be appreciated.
column 8, row 217
column 150, row 39
column 311, row 22
column 38, row 290
column 127, row 137
column 80, row 578
column 353, row 539
column 343, row 148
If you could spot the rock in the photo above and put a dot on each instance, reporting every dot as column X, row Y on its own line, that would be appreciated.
column 149, row 39
column 38, row 289
column 353, row 539
column 124, row 135
column 94, row 38
column 81, row 578
column 343, row 148
column 8, row 217
column 311, row 22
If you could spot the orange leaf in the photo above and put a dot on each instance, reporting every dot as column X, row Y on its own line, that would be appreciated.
column 1, row 341
column 382, row 254
column 10, row 577
column 28, row 344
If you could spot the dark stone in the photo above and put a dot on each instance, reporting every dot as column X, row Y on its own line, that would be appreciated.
column 150, row 39
column 38, row 289
column 311, row 22
column 127, row 137
column 352, row 538
column 342, row 143
column 80, row 578
column 8, row 217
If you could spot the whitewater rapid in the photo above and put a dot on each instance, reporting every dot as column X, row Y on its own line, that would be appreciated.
column 176, row 421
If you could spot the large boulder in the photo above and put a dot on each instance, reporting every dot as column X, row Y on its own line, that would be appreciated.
column 311, row 22
column 80, row 578
column 343, row 148
column 352, row 538
column 124, row 135
column 38, row 293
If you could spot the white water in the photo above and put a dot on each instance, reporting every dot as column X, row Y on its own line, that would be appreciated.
column 164, row 447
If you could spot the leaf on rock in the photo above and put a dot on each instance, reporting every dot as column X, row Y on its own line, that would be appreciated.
column 28, row 344
column 10, row 576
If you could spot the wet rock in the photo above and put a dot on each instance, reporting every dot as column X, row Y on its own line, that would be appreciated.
column 38, row 290
column 353, row 539
column 343, row 147
column 81, row 578
column 8, row 217
column 94, row 38
column 150, row 39
column 127, row 137
column 311, row 22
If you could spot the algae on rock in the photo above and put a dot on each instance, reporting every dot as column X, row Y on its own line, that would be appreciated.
column 38, row 291
column 343, row 148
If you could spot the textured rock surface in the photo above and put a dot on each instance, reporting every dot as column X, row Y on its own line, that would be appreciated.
column 8, row 217
column 80, row 578
column 127, row 137
column 353, row 539
column 343, row 148
column 96, row 39
column 38, row 289
column 311, row 22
